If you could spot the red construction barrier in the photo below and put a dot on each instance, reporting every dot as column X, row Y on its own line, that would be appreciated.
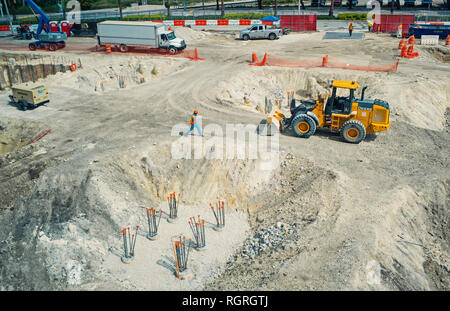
column 245, row 22
column 390, row 23
column 178, row 22
column 157, row 21
column 299, row 22
column 222, row 22
column 5, row 28
column 267, row 22
column 200, row 22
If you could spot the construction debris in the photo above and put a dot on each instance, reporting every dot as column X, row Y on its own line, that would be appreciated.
column 198, row 230
column 129, row 243
column 153, row 225
column 219, row 214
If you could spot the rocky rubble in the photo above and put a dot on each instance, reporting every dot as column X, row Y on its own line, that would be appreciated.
column 267, row 238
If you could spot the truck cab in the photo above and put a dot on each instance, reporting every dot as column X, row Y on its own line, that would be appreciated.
column 168, row 41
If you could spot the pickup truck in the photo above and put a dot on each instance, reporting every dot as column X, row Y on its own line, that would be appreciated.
column 260, row 31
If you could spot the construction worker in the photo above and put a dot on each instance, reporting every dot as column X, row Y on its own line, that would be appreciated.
column 370, row 26
column 350, row 29
column 193, row 124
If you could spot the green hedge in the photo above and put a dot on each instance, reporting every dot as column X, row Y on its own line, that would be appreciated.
column 322, row 17
column 352, row 16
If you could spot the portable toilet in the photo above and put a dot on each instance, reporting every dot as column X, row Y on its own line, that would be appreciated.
column 65, row 27
column 54, row 26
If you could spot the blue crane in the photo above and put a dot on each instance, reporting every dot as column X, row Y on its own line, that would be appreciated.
column 50, row 40
column 44, row 20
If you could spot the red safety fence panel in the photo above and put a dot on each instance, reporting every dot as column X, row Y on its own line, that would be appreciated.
column 5, row 28
column 299, row 22
column 200, row 22
column 245, row 22
column 390, row 23
column 178, row 22
column 157, row 21
column 267, row 22
column 222, row 22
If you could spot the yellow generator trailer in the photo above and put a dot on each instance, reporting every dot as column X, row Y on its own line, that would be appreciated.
column 29, row 96
column 352, row 117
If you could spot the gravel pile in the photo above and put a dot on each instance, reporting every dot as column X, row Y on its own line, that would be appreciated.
column 267, row 238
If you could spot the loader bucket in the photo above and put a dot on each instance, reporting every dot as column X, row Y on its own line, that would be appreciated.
column 272, row 124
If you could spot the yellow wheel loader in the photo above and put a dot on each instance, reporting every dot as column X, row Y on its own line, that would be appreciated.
column 352, row 117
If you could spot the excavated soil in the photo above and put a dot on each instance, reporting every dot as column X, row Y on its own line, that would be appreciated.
column 318, row 220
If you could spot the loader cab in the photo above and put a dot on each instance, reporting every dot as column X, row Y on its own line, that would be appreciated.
column 341, row 104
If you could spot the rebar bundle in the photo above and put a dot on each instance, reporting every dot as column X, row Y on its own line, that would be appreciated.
column 129, row 243
column 173, row 206
column 198, row 230
column 219, row 214
column 181, row 254
column 153, row 223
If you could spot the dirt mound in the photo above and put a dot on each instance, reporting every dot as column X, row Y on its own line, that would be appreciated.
column 99, row 74
column 189, row 34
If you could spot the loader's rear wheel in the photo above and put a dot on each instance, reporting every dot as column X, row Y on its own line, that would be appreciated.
column 303, row 126
column 353, row 132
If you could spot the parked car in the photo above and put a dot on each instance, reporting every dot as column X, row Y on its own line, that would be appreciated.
column 260, row 31
column 354, row 2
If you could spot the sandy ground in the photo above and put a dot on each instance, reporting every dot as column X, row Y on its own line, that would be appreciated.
column 384, row 200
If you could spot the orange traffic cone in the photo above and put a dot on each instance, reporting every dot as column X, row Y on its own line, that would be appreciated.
column 410, row 50
column 196, row 57
column 404, row 52
column 401, row 44
column 412, row 40
column 108, row 49
column 325, row 61
column 254, row 58
column 447, row 42
column 170, row 28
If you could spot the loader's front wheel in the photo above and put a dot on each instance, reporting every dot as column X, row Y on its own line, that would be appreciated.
column 353, row 132
column 303, row 126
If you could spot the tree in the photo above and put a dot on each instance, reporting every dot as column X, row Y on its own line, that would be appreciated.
column 217, row 5
column 350, row 4
column 275, row 8
column 120, row 8
column 222, row 8
column 260, row 4
column 167, row 5
column 331, row 8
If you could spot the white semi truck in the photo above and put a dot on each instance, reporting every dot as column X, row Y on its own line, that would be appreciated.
column 124, row 34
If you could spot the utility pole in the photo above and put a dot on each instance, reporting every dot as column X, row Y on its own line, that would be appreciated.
column 276, row 8
column 392, row 6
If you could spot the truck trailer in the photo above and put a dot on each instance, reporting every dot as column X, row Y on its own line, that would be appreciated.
column 123, row 34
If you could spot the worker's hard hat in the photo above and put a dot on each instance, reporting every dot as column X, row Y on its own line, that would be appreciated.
column 195, row 112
